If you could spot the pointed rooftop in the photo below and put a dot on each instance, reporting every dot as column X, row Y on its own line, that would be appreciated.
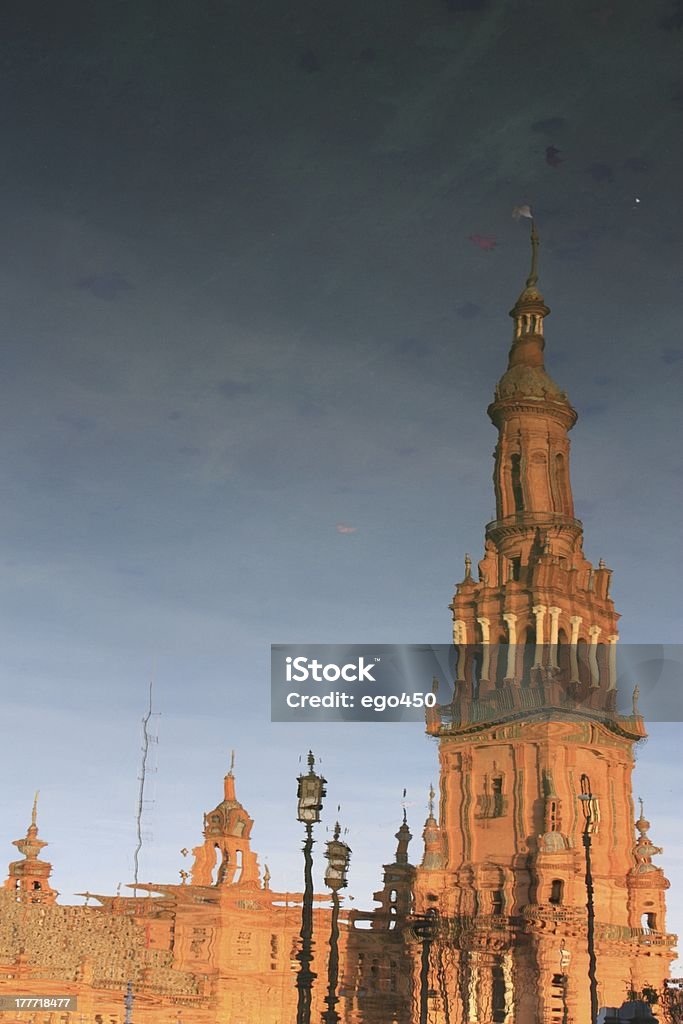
column 526, row 376
column 29, row 878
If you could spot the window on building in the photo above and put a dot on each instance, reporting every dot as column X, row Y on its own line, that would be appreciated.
column 497, row 791
column 492, row 803
column 393, row 976
column 556, row 892
column 516, row 477
column 499, row 1005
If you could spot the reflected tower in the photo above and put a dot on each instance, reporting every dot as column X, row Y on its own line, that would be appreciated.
column 531, row 729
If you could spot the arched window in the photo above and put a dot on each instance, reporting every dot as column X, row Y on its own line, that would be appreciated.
column 556, row 892
column 498, row 801
column 374, row 974
column 500, row 652
column 539, row 489
column 563, row 654
column 602, row 657
column 477, row 660
column 499, row 1007
column 516, row 479
column 393, row 976
column 582, row 658
column 238, row 866
column 528, row 655
column 561, row 485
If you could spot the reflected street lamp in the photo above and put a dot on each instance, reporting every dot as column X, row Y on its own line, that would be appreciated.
column 310, row 793
column 338, row 855
column 591, row 817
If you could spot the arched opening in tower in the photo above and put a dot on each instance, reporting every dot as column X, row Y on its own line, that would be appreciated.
column 477, row 662
column 561, row 485
column 528, row 655
column 516, row 480
column 563, row 655
column 238, row 867
column 223, row 867
column 501, row 656
column 583, row 662
column 539, row 484
column 556, row 892
column 602, row 658
column 499, row 1005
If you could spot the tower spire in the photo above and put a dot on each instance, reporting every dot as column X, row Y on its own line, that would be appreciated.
column 29, row 878
column 533, row 273
column 529, row 312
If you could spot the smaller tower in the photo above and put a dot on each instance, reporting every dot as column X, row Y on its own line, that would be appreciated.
column 226, row 838
column 433, row 859
column 29, row 878
column 378, row 966
column 646, row 882
column 396, row 895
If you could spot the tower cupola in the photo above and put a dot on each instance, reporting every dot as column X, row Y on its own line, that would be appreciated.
column 29, row 878
column 227, row 829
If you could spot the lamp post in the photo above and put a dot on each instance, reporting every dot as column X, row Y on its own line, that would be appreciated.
column 590, row 814
column 310, row 793
column 338, row 855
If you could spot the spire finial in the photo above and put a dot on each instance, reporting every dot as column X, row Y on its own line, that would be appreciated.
column 34, row 812
column 533, row 273
column 311, row 760
column 642, row 824
column 468, row 567
column 432, row 794
column 232, row 763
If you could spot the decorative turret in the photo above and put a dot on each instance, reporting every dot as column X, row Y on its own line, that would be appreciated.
column 28, row 878
column 396, row 895
column 525, row 376
column 646, row 881
column 433, row 858
column 226, row 836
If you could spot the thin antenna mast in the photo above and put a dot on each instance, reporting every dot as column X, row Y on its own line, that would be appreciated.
column 147, row 739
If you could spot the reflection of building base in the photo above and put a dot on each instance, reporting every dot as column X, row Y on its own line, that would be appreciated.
column 193, row 953
column 537, row 893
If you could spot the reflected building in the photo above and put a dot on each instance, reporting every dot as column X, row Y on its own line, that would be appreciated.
column 219, row 946
column 535, row 761
column 535, row 898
